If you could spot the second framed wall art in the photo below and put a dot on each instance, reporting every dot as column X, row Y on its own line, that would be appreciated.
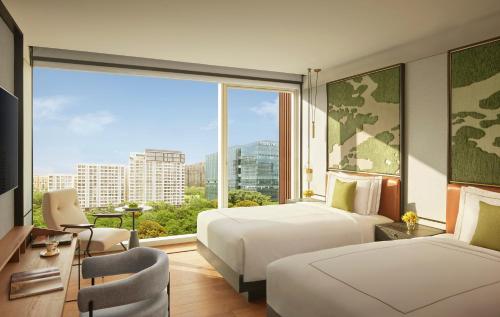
column 364, row 122
column 474, row 97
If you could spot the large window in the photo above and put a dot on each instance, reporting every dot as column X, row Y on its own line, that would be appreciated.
column 119, row 138
column 253, row 152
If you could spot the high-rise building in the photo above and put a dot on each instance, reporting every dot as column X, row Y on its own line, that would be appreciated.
column 100, row 185
column 195, row 174
column 211, row 171
column 40, row 183
column 259, row 168
column 252, row 167
column 47, row 183
column 157, row 175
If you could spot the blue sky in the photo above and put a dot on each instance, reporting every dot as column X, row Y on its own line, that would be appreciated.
column 91, row 117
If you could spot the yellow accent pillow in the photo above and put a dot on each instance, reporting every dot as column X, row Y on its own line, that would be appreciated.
column 343, row 195
column 487, row 233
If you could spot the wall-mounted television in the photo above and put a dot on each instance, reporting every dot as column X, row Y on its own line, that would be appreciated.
column 9, row 145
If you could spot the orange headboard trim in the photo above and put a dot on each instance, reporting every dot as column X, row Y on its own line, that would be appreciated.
column 453, row 202
column 390, row 196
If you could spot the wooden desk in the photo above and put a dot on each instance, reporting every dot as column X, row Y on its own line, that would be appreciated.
column 50, row 304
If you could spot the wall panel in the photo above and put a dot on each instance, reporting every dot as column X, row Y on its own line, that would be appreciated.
column 426, row 141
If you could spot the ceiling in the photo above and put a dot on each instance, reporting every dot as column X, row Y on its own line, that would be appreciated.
column 279, row 35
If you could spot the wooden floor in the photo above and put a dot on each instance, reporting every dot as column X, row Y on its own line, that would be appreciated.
column 197, row 290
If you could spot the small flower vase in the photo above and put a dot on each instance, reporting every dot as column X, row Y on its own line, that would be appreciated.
column 410, row 225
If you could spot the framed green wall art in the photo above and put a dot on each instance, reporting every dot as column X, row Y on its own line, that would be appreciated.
column 364, row 122
column 474, row 101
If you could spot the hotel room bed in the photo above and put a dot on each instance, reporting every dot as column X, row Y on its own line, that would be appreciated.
column 241, row 242
column 435, row 276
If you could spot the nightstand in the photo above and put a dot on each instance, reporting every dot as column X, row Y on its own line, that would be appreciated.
column 304, row 199
column 398, row 230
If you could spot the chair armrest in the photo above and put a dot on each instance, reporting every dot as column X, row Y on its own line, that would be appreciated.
column 106, row 265
column 82, row 226
column 77, row 226
column 121, row 292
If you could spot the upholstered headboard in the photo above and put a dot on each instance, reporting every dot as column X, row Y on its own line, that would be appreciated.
column 453, row 202
column 390, row 196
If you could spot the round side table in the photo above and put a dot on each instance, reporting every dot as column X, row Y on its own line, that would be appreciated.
column 134, row 237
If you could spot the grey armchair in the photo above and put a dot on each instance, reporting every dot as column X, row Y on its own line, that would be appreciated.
column 143, row 294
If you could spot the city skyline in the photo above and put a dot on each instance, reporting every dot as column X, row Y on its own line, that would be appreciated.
column 163, row 175
column 152, row 175
column 102, row 117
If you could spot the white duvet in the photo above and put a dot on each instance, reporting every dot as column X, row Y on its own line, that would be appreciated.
column 437, row 276
column 248, row 239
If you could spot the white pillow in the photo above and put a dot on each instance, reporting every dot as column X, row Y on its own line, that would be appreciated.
column 468, row 210
column 367, row 199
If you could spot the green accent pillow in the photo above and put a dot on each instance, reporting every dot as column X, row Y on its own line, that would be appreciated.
column 487, row 233
column 343, row 195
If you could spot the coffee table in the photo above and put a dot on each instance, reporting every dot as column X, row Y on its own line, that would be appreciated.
column 134, row 237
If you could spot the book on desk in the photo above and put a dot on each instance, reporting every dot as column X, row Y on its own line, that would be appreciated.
column 18, row 255
column 40, row 240
column 35, row 282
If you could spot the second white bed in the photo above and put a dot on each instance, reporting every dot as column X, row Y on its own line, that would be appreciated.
column 435, row 276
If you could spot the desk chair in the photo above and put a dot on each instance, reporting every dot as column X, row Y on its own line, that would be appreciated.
column 145, row 293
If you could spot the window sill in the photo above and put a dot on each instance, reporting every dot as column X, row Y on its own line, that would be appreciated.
column 161, row 241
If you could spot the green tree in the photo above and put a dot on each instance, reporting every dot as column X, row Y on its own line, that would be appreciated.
column 164, row 219
column 151, row 229
column 194, row 191
column 246, row 203
column 37, row 210
column 238, row 195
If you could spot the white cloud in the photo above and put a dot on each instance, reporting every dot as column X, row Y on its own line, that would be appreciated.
column 50, row 107
column 212, row 125
column 90, row 123
column 267, row 109
column 54, row 108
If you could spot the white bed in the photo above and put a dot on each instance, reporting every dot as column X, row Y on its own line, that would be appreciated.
column 434, row 276
column 248, row 239
column 438, row 276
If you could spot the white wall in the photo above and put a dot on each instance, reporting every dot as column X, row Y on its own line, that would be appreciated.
column 425, row 111
column 318, row 144
column 426, row 136
column 7, row 82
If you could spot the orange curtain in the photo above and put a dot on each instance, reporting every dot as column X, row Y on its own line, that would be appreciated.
column 285, row 112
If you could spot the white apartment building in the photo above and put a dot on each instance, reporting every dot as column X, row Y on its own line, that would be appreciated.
column 48, row 183
column 100, row 185
column 156, row 175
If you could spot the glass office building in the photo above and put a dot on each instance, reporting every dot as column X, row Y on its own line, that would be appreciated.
column 252, row 167
column 211, row 176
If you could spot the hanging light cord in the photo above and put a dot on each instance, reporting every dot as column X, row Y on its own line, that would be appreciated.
column 315, row 95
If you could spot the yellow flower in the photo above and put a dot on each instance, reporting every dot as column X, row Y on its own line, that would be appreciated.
column 410, row 217
column 308, row 193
